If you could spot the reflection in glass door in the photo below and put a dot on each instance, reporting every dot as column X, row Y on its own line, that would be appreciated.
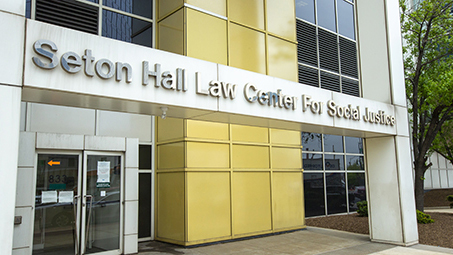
column 78, row 212
column 56, row 218
column 103, row 211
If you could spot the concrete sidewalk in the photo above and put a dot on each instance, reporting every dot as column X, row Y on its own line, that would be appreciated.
column 310, row 241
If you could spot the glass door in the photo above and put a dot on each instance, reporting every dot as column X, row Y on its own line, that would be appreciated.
column 102, row 196
column 78, row 210
column 57, row 220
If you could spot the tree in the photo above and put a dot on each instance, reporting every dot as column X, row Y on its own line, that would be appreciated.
column 443, row 143
column 427, row 49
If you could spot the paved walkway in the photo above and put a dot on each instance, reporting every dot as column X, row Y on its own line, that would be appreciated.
column 310, row 241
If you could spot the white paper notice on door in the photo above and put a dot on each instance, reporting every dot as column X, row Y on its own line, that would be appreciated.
column 65, row 196
column 103, row 171
column 49, row 197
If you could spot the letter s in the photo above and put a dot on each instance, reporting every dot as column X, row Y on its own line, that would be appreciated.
column 39, row 50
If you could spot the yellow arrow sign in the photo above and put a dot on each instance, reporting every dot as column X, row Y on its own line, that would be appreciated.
column 51, row 163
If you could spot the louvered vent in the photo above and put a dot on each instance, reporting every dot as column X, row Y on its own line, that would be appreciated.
column 330, row 81
column 306, row 47
column 70, row 14
column 328, row 50
column 308, row 76
column 348, row 57
column 350, row 87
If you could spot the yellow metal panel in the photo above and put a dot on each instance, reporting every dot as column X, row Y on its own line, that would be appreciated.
column 206, row 37
column 251, row 202
column 282, row 59
column 169, row 129
column 170, row 206
column 281, row 18
column 249, row 12
column 249, row 134
column 208, row 155
column 247, row 49
column 207, row 130
column 215, row 6
column 279, row 136
column 170, row 156
column 248, row 156
column 286, row 158
column 171, row 33
column 288, row 200
column 167, row 6
column 208, row 196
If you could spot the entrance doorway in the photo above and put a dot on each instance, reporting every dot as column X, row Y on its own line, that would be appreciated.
column 78, row 205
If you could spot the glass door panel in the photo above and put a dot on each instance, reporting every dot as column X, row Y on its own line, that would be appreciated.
column 56, row 217
column 102, row 197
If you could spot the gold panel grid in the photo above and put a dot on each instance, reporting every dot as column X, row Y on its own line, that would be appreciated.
column 215, row 6
column 171, row 33
column 286, row 158
column 249, row 134
column 247, row 49
column 170, row 206
column 207, row 130
column 208, row 155
column 169, row 129
column 206, row 37
column 170, row 156
column 249, row 12
column 251, row 202
column 282, row 59
column 288, row 200
column 208, row 197
column 250, row 156
column 281, row 18
column 279, row 136
column 167, row 6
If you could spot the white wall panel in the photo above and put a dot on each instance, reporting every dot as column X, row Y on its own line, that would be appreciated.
column 443, row 179
column 384, row 203
column 428, row 183
column 10, row 98
column 60, row 119
column 124, row 125
column 372, row 41
column 13, row 6
column 12, row 28
column 435, row 178
column 450, row 178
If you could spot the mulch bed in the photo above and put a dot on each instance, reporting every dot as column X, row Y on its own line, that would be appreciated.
column 439, row 233
column 437, row 197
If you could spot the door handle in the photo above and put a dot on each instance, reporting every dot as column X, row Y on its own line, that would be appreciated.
column 74, row 200
column 87, row 231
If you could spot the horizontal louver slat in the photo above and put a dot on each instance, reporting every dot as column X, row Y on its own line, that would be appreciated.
column 330, row 81
column 308, row 76
column 350, row 87
column 348, row 57
column 70, row 14
column 328, row 50
column 306, row 47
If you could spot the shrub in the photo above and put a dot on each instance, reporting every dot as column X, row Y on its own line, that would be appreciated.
column 362, row 208
column 450, row 198
column 423, row 218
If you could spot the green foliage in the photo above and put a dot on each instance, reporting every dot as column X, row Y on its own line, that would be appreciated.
column 428, row 56
column 450, row 198
column 443, row 143
column 362, row 208
column 423, row 218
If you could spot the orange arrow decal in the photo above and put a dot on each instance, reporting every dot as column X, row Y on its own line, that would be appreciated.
column 51, row 163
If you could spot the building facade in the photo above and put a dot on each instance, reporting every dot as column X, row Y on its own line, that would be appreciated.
column 193, row 122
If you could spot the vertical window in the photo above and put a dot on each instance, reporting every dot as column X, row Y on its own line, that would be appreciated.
column 327, row 47
column 305, row 9
column 125, row 20
column 334, row 172
column 145, row 180
column 326, row 14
